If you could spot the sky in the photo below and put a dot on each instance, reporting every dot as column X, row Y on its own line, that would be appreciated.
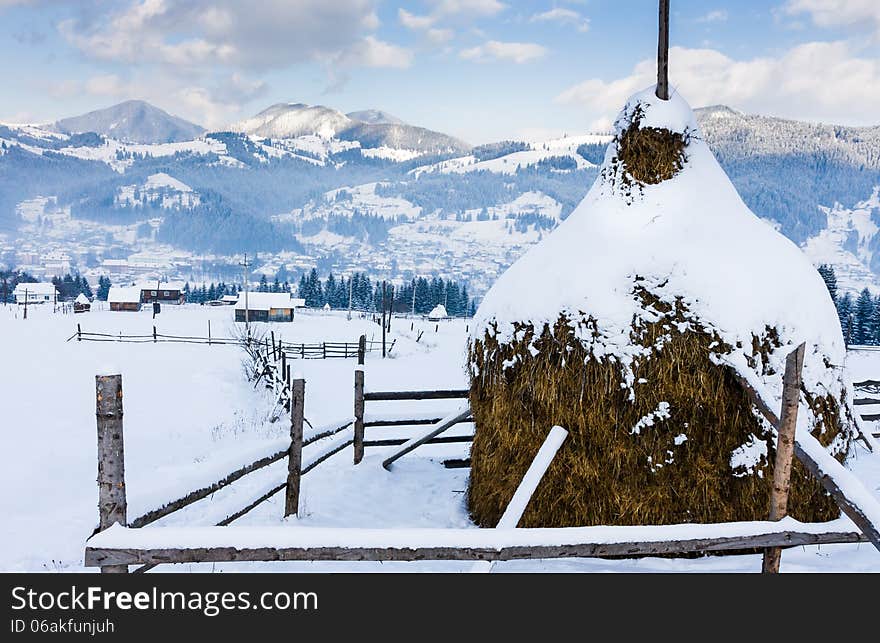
column 482, row 70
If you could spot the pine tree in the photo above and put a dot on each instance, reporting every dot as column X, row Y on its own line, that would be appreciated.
column 264, row 284
column 864, row 310
column 830, row 279
column 845, row 314
column 104, row 287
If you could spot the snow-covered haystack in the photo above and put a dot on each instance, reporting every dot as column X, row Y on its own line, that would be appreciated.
column 632, row 326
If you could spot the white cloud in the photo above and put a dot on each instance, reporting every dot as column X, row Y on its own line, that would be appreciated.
column 372, row 52
column 412, row 21
column 823, row 81
column 719, row 15
column 856, row 14
column 563, row 16
column 468, row 7
column 516, row 52
column 197, row 33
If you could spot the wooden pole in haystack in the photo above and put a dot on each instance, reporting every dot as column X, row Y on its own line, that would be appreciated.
column 112, row 503
column 663, row 53
column 791, row 393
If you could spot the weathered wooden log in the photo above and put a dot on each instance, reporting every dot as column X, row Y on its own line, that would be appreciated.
column 98, row 556
column 785, row 436
column 411, row 422
column 112, row 503
column 362, row 349
column 394, row 442
column 412, row 445
column 358, row 415
column 294, row 462
column 457, row 463
column 447, row 394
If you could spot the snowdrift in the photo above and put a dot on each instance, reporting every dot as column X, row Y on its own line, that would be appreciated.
column 629, row 325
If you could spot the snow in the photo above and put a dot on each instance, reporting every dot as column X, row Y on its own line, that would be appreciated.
column 191, row 417
column 438, row 312
column 39, row 288
column 267, row 300
column 690, row 237
column 122, row 295
column 391, row 154
column 847, row 243
column 517, row 506
column 82, row 299
column 512, row 163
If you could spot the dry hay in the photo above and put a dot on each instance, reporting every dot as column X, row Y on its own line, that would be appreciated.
column 606, row 474
column 646, row 155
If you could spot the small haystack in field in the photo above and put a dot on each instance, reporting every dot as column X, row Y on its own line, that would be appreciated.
column 648, row 306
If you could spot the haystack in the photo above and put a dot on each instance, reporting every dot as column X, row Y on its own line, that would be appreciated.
column 632, row 326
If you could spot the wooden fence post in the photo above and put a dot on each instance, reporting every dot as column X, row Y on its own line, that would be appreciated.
column 324, row 348
column 362, row 349
column 294, row 460
column 112, row 505
column 358, row 414
column 274, row 347
column 78, row 333
column 791, row 392
column 154, row 334
column 209, row 332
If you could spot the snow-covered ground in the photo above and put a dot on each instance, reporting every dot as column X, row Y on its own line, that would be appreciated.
column 190, row 414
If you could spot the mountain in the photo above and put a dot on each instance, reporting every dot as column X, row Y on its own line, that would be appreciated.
column 133, row 121
column 308, row 185
column 375, row 117
column 291, row 120
column 372, row 128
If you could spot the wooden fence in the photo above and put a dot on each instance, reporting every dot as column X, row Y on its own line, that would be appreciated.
column 116, row 547
column 292, row 350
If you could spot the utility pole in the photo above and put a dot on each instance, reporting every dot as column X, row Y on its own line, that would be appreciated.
column 415, row 282
column 663, row 53
column 383, row 318
column 247, row 312
column 350, row 294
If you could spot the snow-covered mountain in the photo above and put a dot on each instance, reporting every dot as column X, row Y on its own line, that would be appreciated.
column 306, row 185
column 372, row 129
column 133, row 121
column 375, row 117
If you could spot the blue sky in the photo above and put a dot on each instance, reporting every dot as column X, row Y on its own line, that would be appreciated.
column 479, row 69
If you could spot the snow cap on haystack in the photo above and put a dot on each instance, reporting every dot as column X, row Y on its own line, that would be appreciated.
column 660, row 274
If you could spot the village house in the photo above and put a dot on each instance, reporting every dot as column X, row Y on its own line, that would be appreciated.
column 124, row 298
column 36, row 293
column 164, row 292
column 267, row 307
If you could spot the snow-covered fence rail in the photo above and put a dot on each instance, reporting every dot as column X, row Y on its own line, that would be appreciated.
column 362, row 420
column 121, row 546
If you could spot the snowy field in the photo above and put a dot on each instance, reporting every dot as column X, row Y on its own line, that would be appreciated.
column 190, row 414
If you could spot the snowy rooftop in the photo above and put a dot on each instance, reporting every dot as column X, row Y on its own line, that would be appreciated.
column 161, row 285
column 40, row 288
column 124, row 294
column 82, row 299
column 267, row 300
